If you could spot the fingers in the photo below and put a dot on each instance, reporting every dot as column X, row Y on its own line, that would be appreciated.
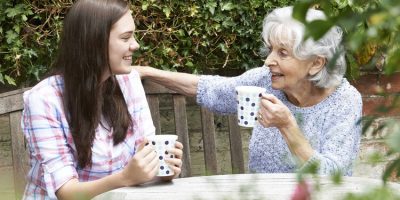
column 271, row 98
column 143, row 142
column 177, row 151
column 175, row 164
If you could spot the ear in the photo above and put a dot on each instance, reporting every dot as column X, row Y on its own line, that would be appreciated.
column 317, row 65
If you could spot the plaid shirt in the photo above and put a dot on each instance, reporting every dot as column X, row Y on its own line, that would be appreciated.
column 52, row 150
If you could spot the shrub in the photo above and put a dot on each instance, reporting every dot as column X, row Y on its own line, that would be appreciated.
column 192, row 36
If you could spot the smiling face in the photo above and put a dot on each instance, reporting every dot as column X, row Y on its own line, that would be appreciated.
column 288, row 72
column 121, row 44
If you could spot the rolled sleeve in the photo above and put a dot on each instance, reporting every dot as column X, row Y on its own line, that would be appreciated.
column 47, row 141
column 56, row 176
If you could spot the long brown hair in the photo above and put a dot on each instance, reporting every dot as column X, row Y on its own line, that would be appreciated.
column 82, row 60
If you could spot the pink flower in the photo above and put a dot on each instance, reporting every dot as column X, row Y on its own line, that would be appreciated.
column 302, row 192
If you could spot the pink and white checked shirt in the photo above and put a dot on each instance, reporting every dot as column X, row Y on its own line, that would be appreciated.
column 52, row 150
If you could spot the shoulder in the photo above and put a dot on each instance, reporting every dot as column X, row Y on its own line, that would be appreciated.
column 261, row 72
column 49, row 89
column 345, row 100
column 347, row 92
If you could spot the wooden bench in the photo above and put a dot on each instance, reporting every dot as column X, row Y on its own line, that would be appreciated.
column 11, row 105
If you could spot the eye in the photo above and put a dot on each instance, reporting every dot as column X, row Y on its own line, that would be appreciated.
column 126, row 37
column 283, row 53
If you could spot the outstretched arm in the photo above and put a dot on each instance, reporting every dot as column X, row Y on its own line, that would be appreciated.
column 183, row 83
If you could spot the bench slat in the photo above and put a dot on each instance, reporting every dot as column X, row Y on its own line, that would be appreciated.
column 235, row 139
column 208, row 131
column 154, row 105
column 181, row 127
column 19, row 153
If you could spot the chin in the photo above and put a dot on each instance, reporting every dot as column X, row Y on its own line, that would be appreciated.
column 123, row 70
column 275, row 87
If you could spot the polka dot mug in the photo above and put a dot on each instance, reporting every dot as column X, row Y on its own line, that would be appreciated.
column 161, row 144
column 248, row 100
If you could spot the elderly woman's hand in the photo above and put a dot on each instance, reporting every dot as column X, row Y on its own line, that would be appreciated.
column 273, row 113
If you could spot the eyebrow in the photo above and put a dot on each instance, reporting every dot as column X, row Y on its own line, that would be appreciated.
column 127, row 32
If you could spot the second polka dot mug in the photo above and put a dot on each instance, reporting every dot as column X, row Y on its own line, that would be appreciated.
column 161, row 144
column 248, row 100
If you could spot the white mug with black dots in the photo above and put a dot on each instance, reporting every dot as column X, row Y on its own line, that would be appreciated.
column 248, row 100
column 161, row 144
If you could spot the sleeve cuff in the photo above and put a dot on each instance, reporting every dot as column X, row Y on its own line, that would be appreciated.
column 200, row 90
column 314, row 160
column 56, row 177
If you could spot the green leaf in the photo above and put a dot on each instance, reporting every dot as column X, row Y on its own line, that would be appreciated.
column 10, row 80
column 393, row 61
column 11, row 12
column 317, row 28
column 227, row 6
column 1, row 78
column 11, row 36
column 337, row 177
column 389, row 169
column 189, row 64
column 223, row 48
column 145, row 5
column 393, row 140
column 300, row 9
column 167, row 11
column 181, row 32
column 211, row 7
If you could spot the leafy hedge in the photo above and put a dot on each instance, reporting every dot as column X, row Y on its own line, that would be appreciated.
column 199, row 36
column 205, row 36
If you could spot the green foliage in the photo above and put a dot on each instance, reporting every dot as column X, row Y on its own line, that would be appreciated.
column 376, row 193
column 201, row 36
column 28, row 39
column 372, row 43
column 192, row 36
column 371, row 31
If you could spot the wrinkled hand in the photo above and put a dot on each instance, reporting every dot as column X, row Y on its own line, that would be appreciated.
column 143, row 167
column 273, row 113
column 176, row 162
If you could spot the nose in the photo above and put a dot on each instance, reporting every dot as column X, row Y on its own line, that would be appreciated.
column 270, row 60
column 134, row 45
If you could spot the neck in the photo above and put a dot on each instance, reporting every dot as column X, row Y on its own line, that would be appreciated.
column 307, row 95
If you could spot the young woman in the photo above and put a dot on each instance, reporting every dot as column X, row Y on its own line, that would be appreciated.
column 86, row 125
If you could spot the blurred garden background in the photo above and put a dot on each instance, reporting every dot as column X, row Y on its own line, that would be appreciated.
column 223, row 37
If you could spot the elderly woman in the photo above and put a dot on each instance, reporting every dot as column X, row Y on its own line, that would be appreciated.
column 309, row 114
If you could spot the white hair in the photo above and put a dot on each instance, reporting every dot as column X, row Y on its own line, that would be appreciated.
column 279, row 27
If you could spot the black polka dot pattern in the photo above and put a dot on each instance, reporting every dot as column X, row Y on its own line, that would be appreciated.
column 161, row 146
column 248, row 104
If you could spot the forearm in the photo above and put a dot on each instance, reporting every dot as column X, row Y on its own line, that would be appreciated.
column 181, row 82
column 297, row 143
column 73, row 189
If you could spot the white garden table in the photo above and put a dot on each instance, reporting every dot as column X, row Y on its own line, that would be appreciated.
column 241, row 186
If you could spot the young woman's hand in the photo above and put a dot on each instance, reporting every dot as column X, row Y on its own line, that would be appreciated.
column 176, row 162
column 143, row 167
